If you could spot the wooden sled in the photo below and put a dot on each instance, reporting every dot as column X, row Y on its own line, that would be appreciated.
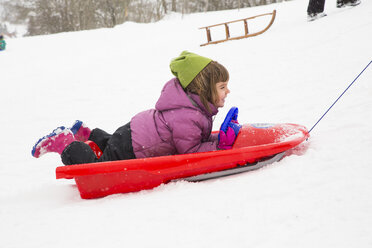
column 247, row 34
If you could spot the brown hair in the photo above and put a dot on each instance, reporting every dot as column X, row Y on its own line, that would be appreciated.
column 204, row 84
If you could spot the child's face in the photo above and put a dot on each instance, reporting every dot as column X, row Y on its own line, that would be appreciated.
column 222, row 92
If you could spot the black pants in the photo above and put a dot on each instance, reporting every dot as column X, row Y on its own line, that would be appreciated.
column 117, row 146
column 315, row 6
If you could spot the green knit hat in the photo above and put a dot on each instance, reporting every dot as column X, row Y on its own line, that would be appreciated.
column 187, row 66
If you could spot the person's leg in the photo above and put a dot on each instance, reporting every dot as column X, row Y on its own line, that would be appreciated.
column 320, row 7
column 119, row 146
column 82, row 152
column 315, row 9
column 312, row 7
column 100, row 137
column 83, row 133
column 78, row 153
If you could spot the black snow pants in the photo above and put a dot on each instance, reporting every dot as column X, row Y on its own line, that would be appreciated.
column 315, row 6
column 116, row 146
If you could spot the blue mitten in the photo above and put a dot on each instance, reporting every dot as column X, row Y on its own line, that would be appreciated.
column 229, row 129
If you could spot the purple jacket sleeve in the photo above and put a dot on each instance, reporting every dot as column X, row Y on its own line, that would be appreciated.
column 192, row 135
column 213, row 137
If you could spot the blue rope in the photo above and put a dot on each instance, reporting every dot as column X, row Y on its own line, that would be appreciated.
column 340, row 96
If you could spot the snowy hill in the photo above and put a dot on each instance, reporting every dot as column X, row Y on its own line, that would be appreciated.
column 291, row 73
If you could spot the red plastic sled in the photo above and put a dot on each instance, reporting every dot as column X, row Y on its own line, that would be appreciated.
column 254, row 142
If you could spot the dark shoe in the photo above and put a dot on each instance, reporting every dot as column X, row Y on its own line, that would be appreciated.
column 340, row 4
column 311, row 17
column 320, row 15
column 353, row 3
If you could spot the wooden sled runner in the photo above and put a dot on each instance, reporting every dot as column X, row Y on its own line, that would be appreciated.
column 246, row 31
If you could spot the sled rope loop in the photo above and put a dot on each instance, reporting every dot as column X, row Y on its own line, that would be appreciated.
column 246, row 31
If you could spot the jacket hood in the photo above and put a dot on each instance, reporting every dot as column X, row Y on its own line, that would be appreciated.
column 174, row 97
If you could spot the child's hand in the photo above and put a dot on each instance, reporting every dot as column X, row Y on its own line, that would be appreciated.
column 226, row 140
column 234, row 124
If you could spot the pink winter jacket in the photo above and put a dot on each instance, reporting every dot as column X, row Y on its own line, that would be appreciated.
column 179, row 124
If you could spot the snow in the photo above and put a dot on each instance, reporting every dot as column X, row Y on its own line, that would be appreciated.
column 292, row 73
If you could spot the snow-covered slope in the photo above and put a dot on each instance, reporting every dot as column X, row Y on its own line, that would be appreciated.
column 291, row 73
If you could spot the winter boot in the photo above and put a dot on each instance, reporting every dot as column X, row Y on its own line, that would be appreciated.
column 343, row 3
column 353, row 3
column 311, row 17
column 320, row 15
column 340, row 3
column 80, row 131
column 56, row 141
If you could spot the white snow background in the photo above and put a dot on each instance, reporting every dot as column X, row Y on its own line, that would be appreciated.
column 292, row 73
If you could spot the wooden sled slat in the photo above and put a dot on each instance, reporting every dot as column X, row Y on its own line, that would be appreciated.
column 244, row 20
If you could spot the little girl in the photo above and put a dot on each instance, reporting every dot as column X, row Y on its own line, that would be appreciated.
column 180, row 123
